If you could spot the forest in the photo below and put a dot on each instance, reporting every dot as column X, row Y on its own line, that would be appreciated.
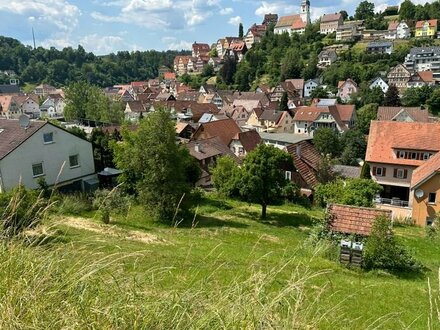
column 62, row 67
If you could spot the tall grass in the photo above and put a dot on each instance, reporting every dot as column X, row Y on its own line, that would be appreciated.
column 45, row 287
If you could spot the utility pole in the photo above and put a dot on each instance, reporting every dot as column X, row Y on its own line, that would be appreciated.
column 33, row 37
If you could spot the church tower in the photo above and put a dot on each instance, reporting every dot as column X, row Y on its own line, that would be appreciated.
column 305, row 11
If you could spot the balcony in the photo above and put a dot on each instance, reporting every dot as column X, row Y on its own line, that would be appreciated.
column 391, row 201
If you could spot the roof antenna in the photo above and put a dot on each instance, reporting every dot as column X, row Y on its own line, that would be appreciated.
column 33, row 38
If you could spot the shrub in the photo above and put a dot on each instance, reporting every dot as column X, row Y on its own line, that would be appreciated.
column 382, row 250
column 110, row 201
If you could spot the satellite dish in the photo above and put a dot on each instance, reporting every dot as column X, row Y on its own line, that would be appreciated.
column 419, row 193
column 24, row 121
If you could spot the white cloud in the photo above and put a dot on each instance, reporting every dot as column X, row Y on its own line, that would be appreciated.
column 102, row 45
column 57, row 12
column 279, row 7
column 235, row 20
column 226, row 11
column 174, row 44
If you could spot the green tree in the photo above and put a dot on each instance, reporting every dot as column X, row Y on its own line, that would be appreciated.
column 208, row 71
column 262, row 176
column 228, row 70
column 344, row 14
column 392, row 98
column 407, row 10
column 291, row 64
column 372, row 95
column 76, row 100
column 358, row 192
column 240, row 30
column 364, row 10
column 355, row 147
column 327, row 142
column 242, row 77
column 434, row 102
column 284, row 102
column 152, row 164
column 364, row 117
column 225, row 176
column 319, row 93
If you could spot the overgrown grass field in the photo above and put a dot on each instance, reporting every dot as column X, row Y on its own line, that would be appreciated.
column 226, row 269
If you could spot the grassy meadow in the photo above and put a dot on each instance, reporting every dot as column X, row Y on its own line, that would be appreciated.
column 226, row 269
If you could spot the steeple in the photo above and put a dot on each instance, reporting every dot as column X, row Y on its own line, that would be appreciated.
column 305, row 11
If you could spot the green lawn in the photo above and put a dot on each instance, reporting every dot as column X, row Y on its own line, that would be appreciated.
column 227, row 269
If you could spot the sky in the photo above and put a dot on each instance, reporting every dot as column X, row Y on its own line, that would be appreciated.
column 105, row 26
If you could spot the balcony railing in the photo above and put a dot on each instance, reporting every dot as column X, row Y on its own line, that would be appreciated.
column 392, row 201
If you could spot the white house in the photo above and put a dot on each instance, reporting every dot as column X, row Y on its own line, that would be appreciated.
column 379, row 82
column 43, row 150
column 398, row 30
column 53, row 106
column 309, row 87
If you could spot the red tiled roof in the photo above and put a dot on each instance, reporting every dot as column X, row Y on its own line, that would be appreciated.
column 225, row 129
column 431, row 22
column 387, row 136
column 293, row 21
column 353, row 219
column 393, row 25
column 426, row 76
column 345, row 111
column 425, row 171
column 249, row 139
column 306, row 162
column 416, row 113
column 330, row 17
column 12, row 135
column 208, row 148
column 169, row 76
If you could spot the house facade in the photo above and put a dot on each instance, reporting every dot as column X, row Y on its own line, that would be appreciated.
column 399, row 77
column 310, row 86
column 395, row 150
column 379, row 82
column 327, row 58
column 346, row 89
column 424, row 59
column 43, row 150
column 380, row 47
column 294, row 23
column 426, row 29
column 53, row 107
column 398, row 30
column 330, row 23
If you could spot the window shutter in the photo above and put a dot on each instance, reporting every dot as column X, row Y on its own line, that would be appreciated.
column 384, row 171
column 395, row 173
column 374, row 170
column 405, row 174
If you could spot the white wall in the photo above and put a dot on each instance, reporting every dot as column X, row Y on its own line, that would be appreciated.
column 18, row 164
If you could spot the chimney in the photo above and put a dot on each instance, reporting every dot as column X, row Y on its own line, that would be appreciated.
column 298, row 150
column 197, row 148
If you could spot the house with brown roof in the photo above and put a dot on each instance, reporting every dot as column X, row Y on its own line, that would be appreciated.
column 339, row 117
column 398, row 30
column 43, row 150
column 293, row 87
column 426, row 29
column 353, row 220
column 394, row 151
column 421, row 78
column 326, row 58
column 403, row 114
column 236, row 112
column 425, row 191
column 44, row 90
column 244, row 142
column 199, row 49
column 254, row 35
column 184, row 130
column 134, row 110
column 181, row 64
column 306, row 160
column 224, row 129
column 330, row 23
column 346, row 89
column 275, row 121
column 206, row 152
column 399, row 77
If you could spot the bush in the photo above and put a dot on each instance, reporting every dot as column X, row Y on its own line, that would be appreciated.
column 382, row 251
column 110, row 202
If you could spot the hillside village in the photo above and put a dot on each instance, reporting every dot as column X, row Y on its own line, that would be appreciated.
column 287, row 114
column 294, row 164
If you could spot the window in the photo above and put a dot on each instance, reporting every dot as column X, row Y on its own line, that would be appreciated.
column 74, row 161
column 426, row 155
column 431, row 198
column 413, row 155
column 48, row 138
column 37, row 170
column 288, row 175
column 380, row 171
column 401, row 154
column 400, row 173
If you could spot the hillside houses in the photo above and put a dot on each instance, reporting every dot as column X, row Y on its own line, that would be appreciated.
column 294, row 23
column 398, row 30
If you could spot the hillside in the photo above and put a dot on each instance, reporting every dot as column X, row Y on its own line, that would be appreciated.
column 225, row 270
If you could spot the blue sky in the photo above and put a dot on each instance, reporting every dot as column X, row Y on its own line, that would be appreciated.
column 105, row 26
